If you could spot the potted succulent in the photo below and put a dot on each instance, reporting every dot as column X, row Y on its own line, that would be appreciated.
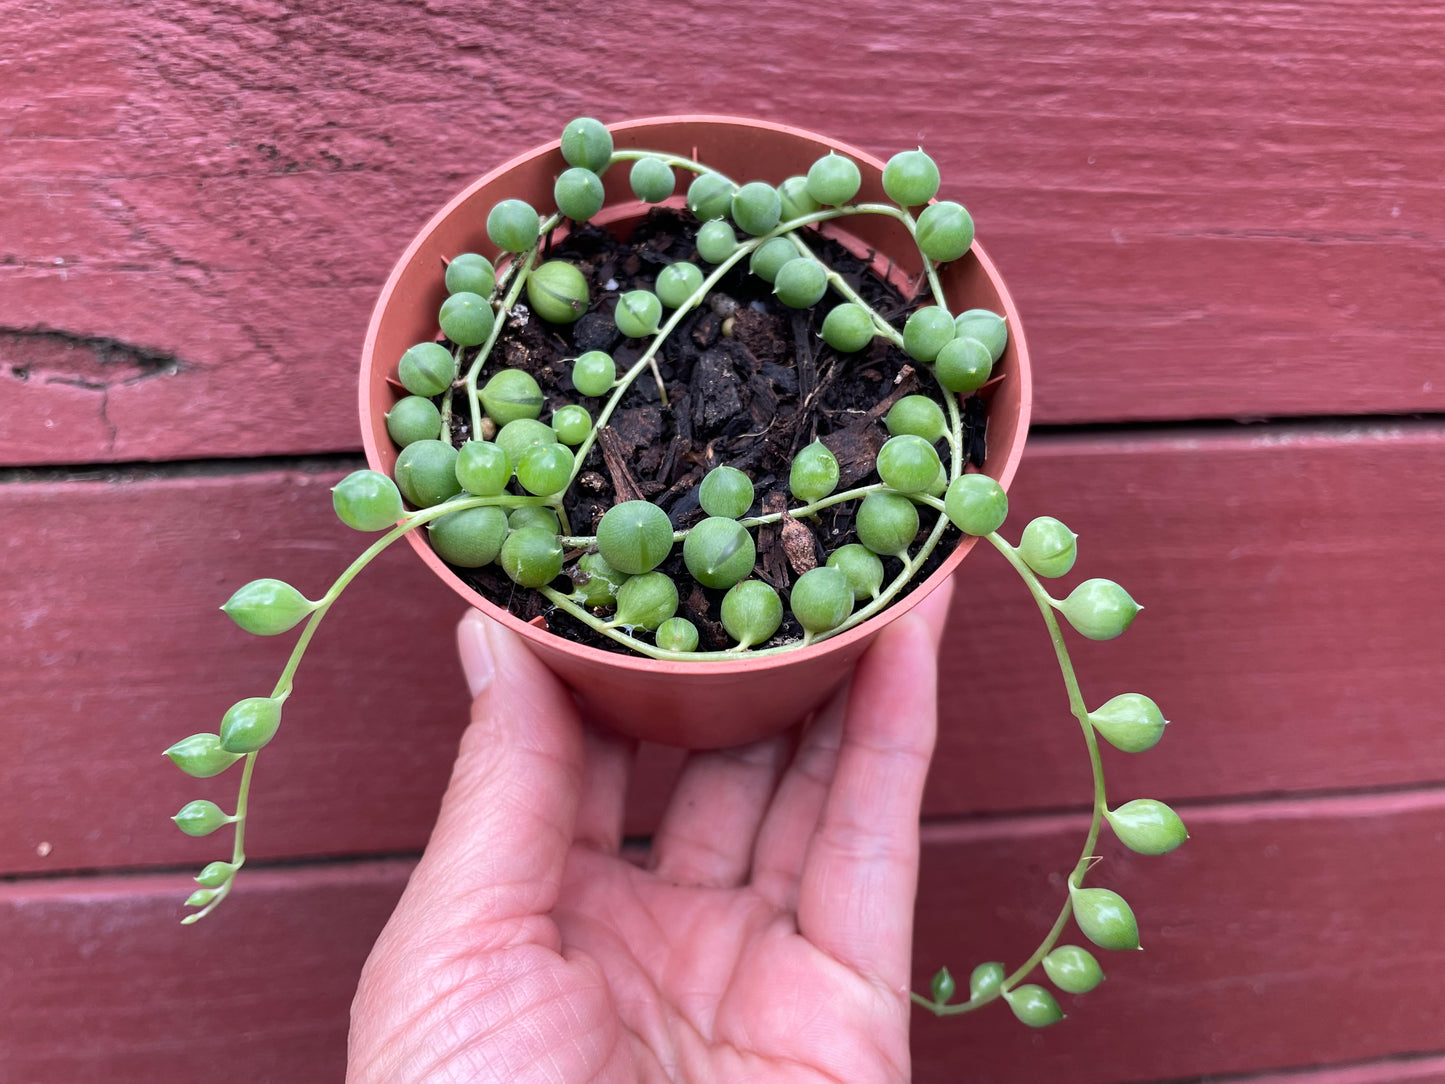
column 745, row 397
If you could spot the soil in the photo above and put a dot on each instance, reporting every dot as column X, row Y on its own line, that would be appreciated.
column 749, row 383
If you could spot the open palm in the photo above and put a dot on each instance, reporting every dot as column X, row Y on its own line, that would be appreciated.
column 768, row 940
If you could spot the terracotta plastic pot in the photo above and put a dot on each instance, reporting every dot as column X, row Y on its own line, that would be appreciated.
column 704, row 704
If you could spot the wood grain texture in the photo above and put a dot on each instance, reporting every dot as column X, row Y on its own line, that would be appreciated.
column 1277, row 937
column 1292, row 631
column 1206, row 209
column 1287, row 933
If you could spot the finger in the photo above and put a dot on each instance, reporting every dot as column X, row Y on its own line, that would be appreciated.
column 509, row 813
column 860, row 875
column 792, row 816
column 607, row 764
column 711, row 822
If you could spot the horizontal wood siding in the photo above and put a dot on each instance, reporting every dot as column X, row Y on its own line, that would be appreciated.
column 1211, row 209
column 1265, row 948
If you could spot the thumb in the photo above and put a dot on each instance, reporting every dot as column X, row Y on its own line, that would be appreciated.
column 510, row 811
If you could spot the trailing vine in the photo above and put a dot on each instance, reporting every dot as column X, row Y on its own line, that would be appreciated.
column 499, row 498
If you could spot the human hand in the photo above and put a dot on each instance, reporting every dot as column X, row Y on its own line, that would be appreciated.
column 768, row 939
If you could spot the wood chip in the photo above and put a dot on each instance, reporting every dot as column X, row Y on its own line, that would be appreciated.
column 614, row 455
column 800, row 545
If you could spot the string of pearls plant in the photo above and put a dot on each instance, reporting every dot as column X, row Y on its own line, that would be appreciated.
column 500, row 500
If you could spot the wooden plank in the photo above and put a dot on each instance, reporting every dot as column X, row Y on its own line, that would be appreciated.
column 101, row 983
column 1255, row 554
column 1415, row 1070
column 1215, row 211
column 1285, row 933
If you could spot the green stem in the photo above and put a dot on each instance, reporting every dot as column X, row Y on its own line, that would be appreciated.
column 516, row 272
column 284, row 682
column 1076, row 705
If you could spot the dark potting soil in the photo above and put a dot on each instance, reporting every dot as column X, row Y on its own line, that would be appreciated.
column 749, row 383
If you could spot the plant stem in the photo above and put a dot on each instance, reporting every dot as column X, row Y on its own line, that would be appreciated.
column 1076, row 705
column 284, row 682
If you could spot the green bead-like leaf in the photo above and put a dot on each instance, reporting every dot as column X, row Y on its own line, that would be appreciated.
column 531, row 556
column 532, row 515
column 863, row 568
column 519, row 437
column 216, row 874
column 911, row 178
column 594, row 373
column 1100, row 609
column 512, row 394
column 726, row 491
column 587, row 143
column 201, row 756
column 471, row 273
column 719, row 552
column 268, row 607
column 1147, row 827
column 1130, row 722
column 466, row 319
column 426, row 369
column 886, row 523
column 833, row 180
column 676, row 634
column 985, row 979
column 412, row 419
column 249, row 724
column 677, row 282
column 367, row 500
column 800, row 284
column 513, row 226
column 470, row 538
column 927, row 331
column 646, row 601
column 848, row 328
column 1048, row 547
column 822, row 599
column 1073, row 969
column 919, row 415
column 757, row 207
column 963, row 366
column 596, row 581
column 716, row 241
column 201, row 896
column 557, row 292
column 1105, row 918
column 634, row 536
column 482, row 468
column 945, row 231
column 652, row 180
column 908, row 463
column 200, row 818
column 751, row 612
column 793, row 193
column 572, row 424
column 579, row 193
column 638, row 313
column 546, row 469
column 814, row 473
column 1034, row 1006
column 976, row 504
column 768, row 258
column 710, row 196
column 943, row 986
column 426, row 472
column 987, row 327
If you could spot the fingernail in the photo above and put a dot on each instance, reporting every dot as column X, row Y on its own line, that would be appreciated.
column 475, row 651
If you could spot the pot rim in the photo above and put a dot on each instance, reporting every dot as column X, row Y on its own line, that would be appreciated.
column 641, row 663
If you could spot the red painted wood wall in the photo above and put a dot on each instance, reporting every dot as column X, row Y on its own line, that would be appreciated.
column 1224, row 224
